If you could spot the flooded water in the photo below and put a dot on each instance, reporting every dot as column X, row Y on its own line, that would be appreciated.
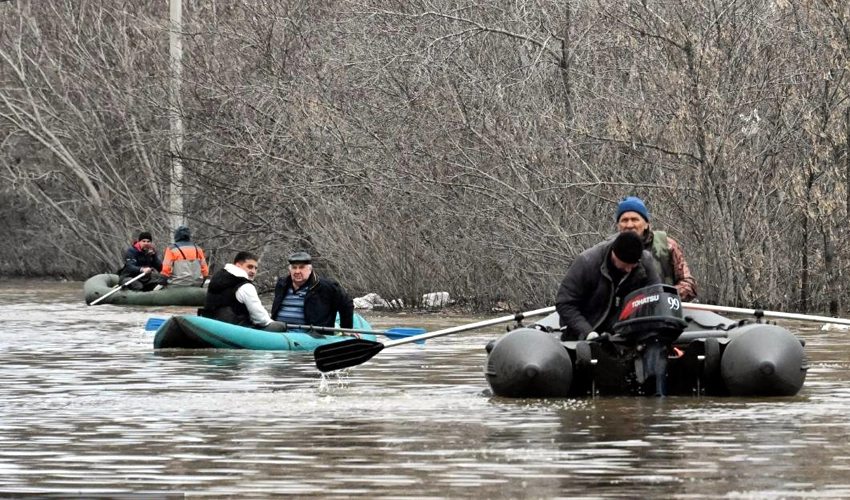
column 88, row 409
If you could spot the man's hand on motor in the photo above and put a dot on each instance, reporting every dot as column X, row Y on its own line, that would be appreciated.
column 598, row 337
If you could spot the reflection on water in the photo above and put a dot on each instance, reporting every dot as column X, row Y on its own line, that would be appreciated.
column 87, row 407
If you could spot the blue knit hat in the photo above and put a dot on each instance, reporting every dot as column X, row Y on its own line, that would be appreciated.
column 632, row 204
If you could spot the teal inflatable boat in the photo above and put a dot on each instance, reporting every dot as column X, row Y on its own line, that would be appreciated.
column 196, row 332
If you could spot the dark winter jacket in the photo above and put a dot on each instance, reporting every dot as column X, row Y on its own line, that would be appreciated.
column 325, row 298
column 221, row 302
column 588, row 298
column 135, row 259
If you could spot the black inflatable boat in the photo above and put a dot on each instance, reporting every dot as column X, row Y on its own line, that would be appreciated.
column 657, row 348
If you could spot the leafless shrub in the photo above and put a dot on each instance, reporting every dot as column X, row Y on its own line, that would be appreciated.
column 428, row 146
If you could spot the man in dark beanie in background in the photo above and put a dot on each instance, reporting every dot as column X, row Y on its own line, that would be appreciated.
column 141, row 258
column 590, row 296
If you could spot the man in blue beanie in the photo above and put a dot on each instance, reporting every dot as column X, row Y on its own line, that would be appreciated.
column 667, row 256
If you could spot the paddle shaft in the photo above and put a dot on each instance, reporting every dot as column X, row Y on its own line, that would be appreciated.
column 117, row 288
column 767, row 314
column 472, row 326
column 353, row 352
column 309, row 328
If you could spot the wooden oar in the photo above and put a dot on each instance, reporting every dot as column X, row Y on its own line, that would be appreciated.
column 117, row 288
column 353, row 352
column 153, row 324
column 762, row 313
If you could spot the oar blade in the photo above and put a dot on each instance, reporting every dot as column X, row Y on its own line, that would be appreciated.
column 402, row 333
column 153, row 324
column 339, row 355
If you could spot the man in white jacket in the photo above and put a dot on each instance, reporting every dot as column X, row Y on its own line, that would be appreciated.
column 232, row 296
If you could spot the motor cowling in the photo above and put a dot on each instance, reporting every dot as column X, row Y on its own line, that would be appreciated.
column 652, row 311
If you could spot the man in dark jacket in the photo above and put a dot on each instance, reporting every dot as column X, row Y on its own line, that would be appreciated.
column 591, row 294
column 141, row 258
column 303, row 298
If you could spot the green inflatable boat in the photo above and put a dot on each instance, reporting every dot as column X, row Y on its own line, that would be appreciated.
column 101, row 284
column 196, row 332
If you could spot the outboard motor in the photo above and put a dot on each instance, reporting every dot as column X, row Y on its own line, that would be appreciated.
column 650, row 321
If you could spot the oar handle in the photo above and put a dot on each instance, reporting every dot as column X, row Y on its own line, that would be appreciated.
column 116, row 288
column 473, row 326
column 767, row 314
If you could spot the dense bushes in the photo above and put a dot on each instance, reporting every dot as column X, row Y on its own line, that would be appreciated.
column 424, row 148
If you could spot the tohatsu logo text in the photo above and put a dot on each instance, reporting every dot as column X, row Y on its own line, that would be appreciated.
column 640, row 300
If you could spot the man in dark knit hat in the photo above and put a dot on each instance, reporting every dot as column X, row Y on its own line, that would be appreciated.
column 590, row 296
column 141, row 258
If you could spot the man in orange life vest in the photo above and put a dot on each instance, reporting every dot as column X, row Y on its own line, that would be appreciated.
column 183, row 263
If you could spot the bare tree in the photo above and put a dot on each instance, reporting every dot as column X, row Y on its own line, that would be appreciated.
column 430, row 145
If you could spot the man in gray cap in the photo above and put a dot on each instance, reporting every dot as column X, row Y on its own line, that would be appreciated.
column 305, row 298
column 589, row 298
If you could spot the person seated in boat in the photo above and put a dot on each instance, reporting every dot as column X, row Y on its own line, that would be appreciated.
column 667, row 256
column 141, row 258
column 232, row 296
column 305, row 298
column 598, row 280
column 183, row 263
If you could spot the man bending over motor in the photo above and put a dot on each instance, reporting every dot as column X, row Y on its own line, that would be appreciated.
column 590, row 296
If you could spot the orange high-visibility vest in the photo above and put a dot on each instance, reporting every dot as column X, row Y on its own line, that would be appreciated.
column 184, row 264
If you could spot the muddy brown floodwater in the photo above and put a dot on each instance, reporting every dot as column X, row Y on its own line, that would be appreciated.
column 88, row 409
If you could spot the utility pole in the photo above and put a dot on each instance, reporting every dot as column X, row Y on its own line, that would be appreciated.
column 175, row 112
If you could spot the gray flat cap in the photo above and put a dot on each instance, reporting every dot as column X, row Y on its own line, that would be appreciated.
column 300, row 257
